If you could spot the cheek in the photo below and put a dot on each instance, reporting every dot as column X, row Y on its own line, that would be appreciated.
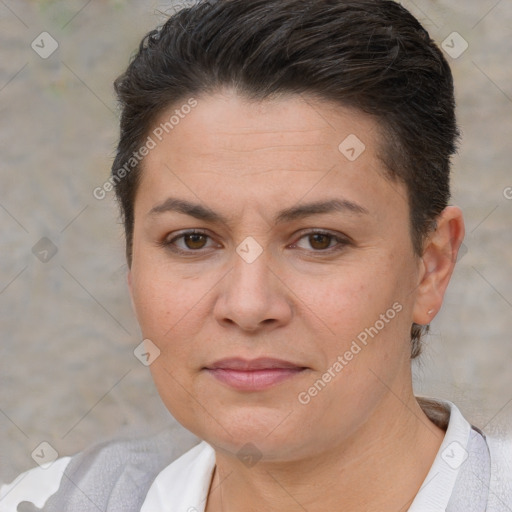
column 361, row 315
column 153, row 303
column 348, row 299
column 171, row 311
column 157, row 309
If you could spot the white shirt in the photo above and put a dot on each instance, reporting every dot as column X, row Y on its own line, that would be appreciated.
column 184, row 484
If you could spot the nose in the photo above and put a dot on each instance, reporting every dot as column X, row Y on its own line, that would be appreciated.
column 254, row 296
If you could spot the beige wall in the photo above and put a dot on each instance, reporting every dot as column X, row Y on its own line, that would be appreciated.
column 68, row 375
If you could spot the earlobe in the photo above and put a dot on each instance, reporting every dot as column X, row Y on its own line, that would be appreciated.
column 438, row 261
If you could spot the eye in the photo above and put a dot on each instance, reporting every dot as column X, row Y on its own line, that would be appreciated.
column 194, row 241
column 191, row 241
column 323, row 241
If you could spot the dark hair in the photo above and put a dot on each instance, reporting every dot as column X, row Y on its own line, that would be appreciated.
column 369, row 54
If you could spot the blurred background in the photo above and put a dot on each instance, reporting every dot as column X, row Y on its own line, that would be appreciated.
column 68, row 374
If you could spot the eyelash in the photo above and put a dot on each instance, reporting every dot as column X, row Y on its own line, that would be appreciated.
column 342, row 242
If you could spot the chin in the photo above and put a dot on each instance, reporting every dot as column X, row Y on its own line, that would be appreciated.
column 269, row 432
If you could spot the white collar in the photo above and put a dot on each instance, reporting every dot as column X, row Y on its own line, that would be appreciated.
column 183, row 485
column 437, row 488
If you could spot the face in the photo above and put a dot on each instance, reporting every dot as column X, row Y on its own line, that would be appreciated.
column 274, row 270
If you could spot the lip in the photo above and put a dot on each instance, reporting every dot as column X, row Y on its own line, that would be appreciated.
column 253, row 374
column 261, row 363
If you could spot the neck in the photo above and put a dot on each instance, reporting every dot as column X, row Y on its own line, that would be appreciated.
column 381, row 467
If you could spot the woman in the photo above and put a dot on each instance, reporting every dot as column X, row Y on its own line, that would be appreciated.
column 283, row 176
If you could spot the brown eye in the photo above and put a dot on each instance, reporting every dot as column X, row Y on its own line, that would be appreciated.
column 188, row 243
column 195, row 240
column 320, row 240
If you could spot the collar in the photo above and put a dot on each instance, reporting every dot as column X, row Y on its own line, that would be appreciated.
column 184, row 484
column 435, row 492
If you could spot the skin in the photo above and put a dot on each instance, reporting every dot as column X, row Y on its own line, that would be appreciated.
column 296, row 301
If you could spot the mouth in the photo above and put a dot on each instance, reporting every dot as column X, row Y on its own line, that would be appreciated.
column 255, row 374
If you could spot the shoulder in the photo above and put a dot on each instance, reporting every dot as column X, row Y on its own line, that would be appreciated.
column 488, row 452
column 121, row 467
column 500, row 449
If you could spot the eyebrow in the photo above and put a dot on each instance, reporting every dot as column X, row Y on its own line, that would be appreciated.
column 204, row 213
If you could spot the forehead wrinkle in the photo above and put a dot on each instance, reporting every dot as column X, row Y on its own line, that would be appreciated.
column 269, row 139
column 266, row 132
column 287, row 147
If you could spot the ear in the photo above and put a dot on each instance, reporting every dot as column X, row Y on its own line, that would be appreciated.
column 437, row 264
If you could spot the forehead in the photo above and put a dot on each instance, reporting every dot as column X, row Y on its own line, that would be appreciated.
column 229, row 121
column 234, row 150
